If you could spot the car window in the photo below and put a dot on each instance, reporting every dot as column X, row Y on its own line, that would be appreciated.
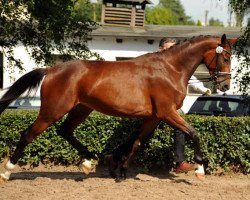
column 204, row 106
column 30, row 102
column 235, row 106
column 219, row 106
column 213, row 106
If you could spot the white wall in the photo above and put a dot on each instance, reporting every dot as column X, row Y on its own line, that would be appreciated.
column 109, row 49
column 12, row 74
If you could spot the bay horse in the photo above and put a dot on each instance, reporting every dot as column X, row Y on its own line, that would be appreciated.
column 152, row 86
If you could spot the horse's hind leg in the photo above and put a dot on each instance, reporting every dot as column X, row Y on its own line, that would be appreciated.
column 113, row 159
column 77, row 115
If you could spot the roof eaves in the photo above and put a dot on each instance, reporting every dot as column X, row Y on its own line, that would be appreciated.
column 158, row 31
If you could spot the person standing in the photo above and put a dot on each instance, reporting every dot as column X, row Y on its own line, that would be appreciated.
column 179, row 137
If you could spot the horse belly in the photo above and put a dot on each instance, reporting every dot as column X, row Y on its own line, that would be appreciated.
column 121, row 111
column 117, row 103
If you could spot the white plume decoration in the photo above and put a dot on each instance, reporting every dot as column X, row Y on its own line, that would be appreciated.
column 219, row 49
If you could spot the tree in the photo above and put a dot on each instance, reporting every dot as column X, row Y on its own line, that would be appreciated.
column 43, row 27
column 215, row 22
column 243, row 70
column 199, row 23
column 239, row 19
column 161, row 15
column 178, row 9
column 84, row 9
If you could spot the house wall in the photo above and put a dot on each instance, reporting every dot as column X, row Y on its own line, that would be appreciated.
column 109, row 49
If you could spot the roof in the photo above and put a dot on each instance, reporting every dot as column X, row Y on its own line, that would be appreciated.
column 159, row 31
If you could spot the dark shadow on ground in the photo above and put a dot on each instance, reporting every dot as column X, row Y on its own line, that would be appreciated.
column 101, row 172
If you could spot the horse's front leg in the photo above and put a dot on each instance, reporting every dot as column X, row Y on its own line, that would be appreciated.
column 146, row 131
column 114, row 159
column 175, row 120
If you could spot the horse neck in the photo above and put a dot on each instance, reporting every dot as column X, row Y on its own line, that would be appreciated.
column 189, row 56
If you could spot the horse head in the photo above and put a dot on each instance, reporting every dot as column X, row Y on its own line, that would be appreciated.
column 218, row 62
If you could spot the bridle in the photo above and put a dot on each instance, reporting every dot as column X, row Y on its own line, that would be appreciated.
column 216, row 73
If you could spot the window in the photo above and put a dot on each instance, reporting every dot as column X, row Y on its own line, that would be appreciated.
column 219, row 105
column 122, row 58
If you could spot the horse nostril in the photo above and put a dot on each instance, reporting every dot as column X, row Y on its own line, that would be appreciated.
column 226, row 87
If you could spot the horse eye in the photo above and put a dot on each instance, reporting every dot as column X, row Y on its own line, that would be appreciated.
column 226, row 60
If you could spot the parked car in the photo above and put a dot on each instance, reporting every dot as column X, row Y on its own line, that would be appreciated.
column 26, row 103
column 221, row 105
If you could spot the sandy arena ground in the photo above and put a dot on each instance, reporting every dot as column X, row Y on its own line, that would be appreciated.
column 63, row 183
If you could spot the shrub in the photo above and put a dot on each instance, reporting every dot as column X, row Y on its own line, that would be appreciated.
column 225, row 141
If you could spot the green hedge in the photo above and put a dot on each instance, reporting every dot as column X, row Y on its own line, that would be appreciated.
column 225, row 141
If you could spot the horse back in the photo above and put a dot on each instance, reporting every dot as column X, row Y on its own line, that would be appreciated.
column 114, row 88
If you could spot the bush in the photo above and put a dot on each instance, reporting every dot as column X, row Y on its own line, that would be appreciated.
column 225, row 141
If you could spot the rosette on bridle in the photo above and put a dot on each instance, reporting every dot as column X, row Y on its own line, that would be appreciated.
column 216, row 73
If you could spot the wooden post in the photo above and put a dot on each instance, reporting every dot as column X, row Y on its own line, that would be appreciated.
column 103, row 13
column 133, row 13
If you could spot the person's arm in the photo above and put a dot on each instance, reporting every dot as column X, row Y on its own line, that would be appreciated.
column 198, row 86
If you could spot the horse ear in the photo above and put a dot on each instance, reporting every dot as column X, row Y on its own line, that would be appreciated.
column 232, row 41
column 223, row 39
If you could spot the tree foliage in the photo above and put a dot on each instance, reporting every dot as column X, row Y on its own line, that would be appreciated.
column 215, row 22
column 169, row 12
column 243, row 70
column 84, row 9
column 199, row 23
column 160, row 15
column 178, row 9
column 44, row 28
column 240, row 5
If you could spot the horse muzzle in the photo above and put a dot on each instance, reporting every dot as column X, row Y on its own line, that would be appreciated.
column 223, row 83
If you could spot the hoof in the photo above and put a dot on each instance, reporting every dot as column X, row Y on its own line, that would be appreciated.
column 123, row 172
column 112, row 165
column 200, row 172
column 119, row 180
column 3, row 179
column 200, row 176
column 8, row 165
column 86, row 166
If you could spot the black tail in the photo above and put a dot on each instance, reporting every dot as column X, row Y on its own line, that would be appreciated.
column 28, row 82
